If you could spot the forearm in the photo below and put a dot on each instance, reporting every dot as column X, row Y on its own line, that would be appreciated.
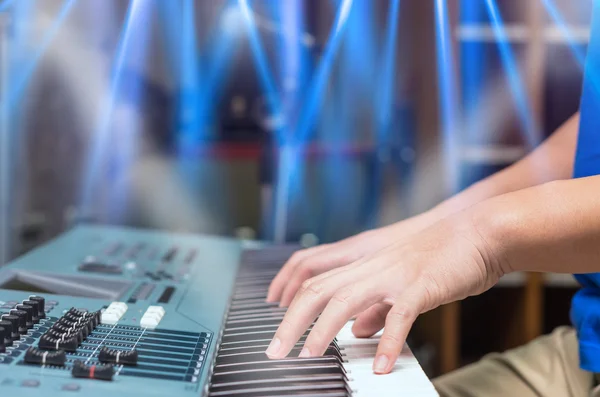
column 549, row 228
column 552, row 160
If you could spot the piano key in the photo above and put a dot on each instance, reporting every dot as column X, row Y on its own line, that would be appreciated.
column 256, row 321
column 280, row 380
column 225, row 358
column 252, row 335
column 275, row 370
column 324, row 393
column 266, row 363
column 284, row 389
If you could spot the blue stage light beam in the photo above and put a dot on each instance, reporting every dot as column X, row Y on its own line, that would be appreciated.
column 102, row 133
column 511, row 67
column 265, row 73
column 290, row 158
column 577, row 51
column 189, row 99
column 448, row 95
column 6, row 4
column 383, row 112
column 22, row 78
column 387, row 81
column 314, row 98
column 126, row 147
column 222, row 47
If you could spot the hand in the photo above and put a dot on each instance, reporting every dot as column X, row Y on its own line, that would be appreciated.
column 444, row 263
column 313, row 261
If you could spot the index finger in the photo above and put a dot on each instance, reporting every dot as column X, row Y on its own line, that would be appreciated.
column 279, row 282
column 309, row 302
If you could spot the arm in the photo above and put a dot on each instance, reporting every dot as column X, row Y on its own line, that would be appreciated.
column 552, row 227
column 551, row 161
column 554, row 157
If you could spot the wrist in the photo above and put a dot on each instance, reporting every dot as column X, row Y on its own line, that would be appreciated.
column 488, row 226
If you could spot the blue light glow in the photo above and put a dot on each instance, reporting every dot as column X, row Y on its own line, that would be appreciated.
column 22, row 76
column 448, row 94
column 576, row 49
column 387, row 82
column 265, row 73
column 529, row 124
column 135, row 24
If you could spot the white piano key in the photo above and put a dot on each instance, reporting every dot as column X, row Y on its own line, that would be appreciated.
column 406, row 378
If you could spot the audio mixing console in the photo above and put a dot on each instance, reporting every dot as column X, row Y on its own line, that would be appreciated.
column 126, row 312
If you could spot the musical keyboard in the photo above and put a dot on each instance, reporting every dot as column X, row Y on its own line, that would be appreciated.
column 116, row 311
column 242, row 368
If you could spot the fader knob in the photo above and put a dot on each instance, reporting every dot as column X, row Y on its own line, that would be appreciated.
column 41, row 305
column 7, row 325
column 29, row 310
column 2, row 345
column 36, row 309
column 101, row 372
column 14, row 321
column 112, row 356
column 49, row 342
column 44, row 357
column 22, row 320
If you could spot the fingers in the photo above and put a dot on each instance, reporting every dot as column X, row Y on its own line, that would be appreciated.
column 312, row 298
column 319, row 263
column 397, row 326
column 280, row 281
column 371, row 320
column 343, row 305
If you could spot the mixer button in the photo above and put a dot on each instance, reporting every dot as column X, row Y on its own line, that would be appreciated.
column 36, row 310
column 100, row 372
column 152, row 317
column 41, row 305
column 29, row 311
column 36, row 356
column 22, row 320
column 14, row 321
column 113, row 313
column 112, row 356
column 2, row 337
column 7, row 325
column 148, row 322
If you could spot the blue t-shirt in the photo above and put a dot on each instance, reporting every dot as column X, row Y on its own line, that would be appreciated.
column 585, row 309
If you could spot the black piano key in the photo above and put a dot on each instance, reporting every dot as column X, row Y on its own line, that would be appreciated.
column 283, row 389
column 266, row 311
column 280, row 380
column 283, row 363
column 252, row 335
column 269, row 320
column 275, row 370
column 264, row 326
column 240, row 307
column 240, row 357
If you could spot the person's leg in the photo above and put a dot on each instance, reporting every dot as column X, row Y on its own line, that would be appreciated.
column 547, row 366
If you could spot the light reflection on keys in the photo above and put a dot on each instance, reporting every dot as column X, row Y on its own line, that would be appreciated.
column 242, row 368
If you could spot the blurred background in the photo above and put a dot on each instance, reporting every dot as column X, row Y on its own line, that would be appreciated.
column 288, row 121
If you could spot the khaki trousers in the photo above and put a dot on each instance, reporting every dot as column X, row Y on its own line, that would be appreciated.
column 547, row 366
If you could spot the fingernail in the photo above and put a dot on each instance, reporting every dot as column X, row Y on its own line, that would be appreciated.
column 380, row 364
column 305, row 353
column 273, row 347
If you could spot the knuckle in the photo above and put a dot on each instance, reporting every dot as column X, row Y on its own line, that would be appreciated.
column 304, row 270
column 343, row 296
column 311, row 288
column 402, row 313
column 390, row 339
column 297, row 256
